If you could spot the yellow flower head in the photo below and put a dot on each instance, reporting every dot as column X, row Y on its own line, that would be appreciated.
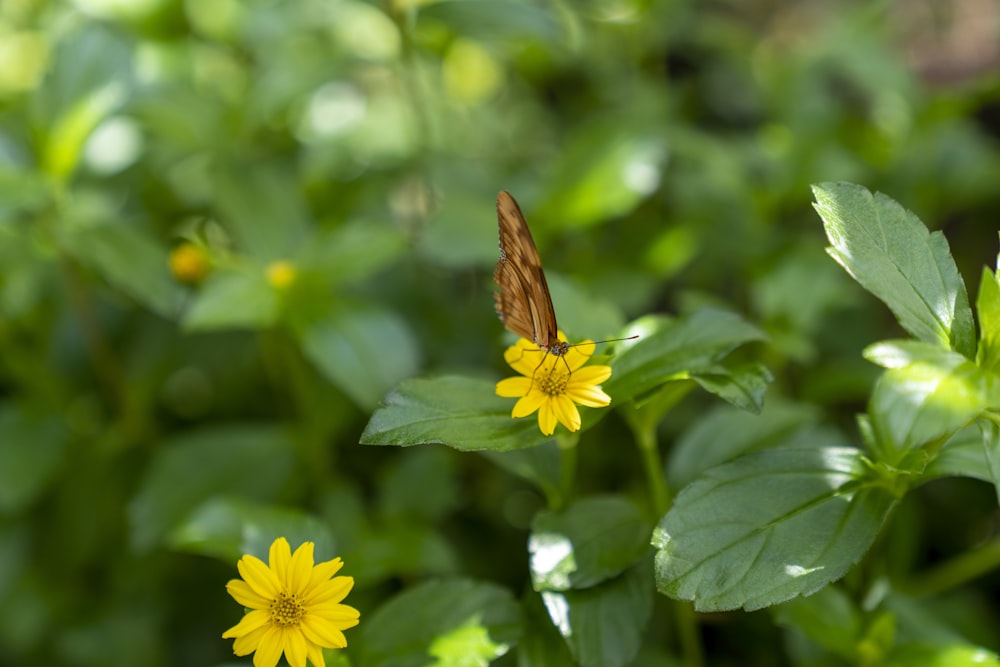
column 294, row 607
column 189, row 263
column 280, row 274
column 553, row 385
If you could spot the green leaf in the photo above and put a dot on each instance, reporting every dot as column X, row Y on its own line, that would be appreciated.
column 129, row 259
column 604, row 624
column 541, row 645
column 743, row 386
column 604, row 172
column 255, row 462
column 227, row 528
column 468, row 645
column 352, row 252
column 925, row 400
column 988, row 309
column 725, row 433
column 889, row 251
column 31, row 451
column 828, row 617
column 362, row 351
column 590, row 541
column 263, row 208
column 769, row 526
column 233, row 300
column 691, row 344
column 965, row 455
column 420, row 484
column 402, row 631
column 991, row 450
column 926, row 655
column 460, row 412
column 89, row 79
column 539, row 465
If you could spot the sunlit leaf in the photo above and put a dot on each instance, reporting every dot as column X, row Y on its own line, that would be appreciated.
column 590, row 541
column 459, row 412
column 402, row 631
column 769, row 526
column 889, row 251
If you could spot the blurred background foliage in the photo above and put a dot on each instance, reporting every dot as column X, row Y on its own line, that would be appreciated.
column 229, row 227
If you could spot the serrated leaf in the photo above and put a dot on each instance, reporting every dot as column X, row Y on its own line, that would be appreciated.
column 603, row 625
column 402, row 631
column 725, row 433
column 691, row 344
column 131, row 261
column 890, row 252
column 590, row 541
column 922, row 401
column 363, row 351
column 988, row 309
column 233, row 300
column 249, row 461
column 460, row 412
column 743, row 386
column 227, row 528
column 769, row 526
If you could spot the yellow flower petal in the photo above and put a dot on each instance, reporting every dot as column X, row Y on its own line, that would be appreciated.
column 295, row 647
column 315, row 654
column 328, row 592
column 528, row 404
column 324, row 634
column 245, row 595
column 278, row 559
column 259, row 576
column 247, row 644
column 270, row 649
column 591, row 375
column 250, row 622
column 547, row 419
column 513, row 387
column 300, row 569
column 588, row 395
column 338, row 614
column 566, row 412
column 578, row 355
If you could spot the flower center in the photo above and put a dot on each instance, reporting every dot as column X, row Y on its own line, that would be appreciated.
column 554, row 384
column 286, row 610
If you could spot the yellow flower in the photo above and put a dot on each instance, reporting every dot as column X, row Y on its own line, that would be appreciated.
column 280, row 274
column 189, row 263
column 295, row 607
column 553, row 385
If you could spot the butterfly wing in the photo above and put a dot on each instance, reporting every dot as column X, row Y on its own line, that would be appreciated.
column 523, row 302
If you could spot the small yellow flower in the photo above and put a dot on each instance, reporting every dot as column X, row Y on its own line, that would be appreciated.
column 189, row 263
column 553, row 385
column 280, row 274
column 295, row 607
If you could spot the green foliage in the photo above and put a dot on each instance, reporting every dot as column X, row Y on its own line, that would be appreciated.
column 245, row 251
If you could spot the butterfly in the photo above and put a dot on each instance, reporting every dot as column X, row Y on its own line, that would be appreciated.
column 523, row 302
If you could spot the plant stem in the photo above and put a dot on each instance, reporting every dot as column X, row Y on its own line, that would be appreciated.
column 955, row 572
column 649, row 447
column 567, row 469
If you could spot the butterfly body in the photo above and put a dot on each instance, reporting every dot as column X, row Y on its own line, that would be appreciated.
column 523, row 303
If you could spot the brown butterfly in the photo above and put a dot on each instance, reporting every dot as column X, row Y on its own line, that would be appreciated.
column 523, row 302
